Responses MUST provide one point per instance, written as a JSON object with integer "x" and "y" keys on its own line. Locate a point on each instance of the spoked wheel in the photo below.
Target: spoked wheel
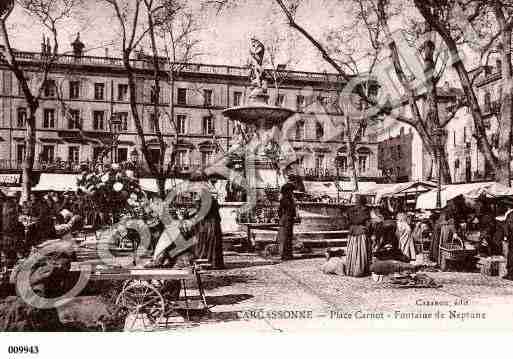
{"x": 142, "y": 300}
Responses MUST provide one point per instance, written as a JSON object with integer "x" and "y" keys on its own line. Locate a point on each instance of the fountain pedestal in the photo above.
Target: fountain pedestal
{"x": 263, "y": 124}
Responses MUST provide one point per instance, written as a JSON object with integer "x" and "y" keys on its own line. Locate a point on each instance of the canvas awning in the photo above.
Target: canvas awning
{"x": 492, "y": 189}
{"x": 363, "y": 187}
{"x": 59, "y": 182}
{"x": 399, "y": 189}
{"x": 150, "y": 184}
{"x": 321, "y": 188}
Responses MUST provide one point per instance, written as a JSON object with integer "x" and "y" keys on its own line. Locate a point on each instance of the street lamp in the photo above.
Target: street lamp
{"x": 115, "y": 122}
{"x": 439, "y": 140}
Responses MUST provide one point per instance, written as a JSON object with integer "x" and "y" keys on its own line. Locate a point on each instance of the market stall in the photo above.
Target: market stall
{"x": 321, "y": 189}
{"x": 409, "y": 191}
{"x": 150, "y": 184}
{"x": 58, "y": 182}
{"x": 470, "y": 190}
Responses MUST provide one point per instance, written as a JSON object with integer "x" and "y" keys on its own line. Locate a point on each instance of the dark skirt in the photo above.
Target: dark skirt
{"x": 210, "y": 242}
{"x": 285, "y": 236}
{"x": 358, "y": 255}
{"x": 435, "y": 244}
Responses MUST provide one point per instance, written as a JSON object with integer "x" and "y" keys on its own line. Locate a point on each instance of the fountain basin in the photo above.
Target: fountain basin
{"x": 263, "y": 115}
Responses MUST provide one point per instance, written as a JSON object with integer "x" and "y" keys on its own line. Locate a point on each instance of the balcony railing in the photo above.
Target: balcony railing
{"x": 331, "y": 174}
{"x": 146, "y": 62}
{"x": 48, "y": 166}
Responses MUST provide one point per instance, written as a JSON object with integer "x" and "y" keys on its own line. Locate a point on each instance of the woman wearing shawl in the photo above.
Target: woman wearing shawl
{"x": 403, "y": 233}
{"x": 359, "y": 246}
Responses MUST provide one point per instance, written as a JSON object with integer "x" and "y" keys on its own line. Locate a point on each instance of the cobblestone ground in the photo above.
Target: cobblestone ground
{"x": 257, "y": 294}
{"x": 248, "y": 296}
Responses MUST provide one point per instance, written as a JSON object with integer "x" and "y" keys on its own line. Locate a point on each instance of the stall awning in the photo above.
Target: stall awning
{"x": 399, "y": 189}
{"x": 363, "y": 187}
{"x": 321, "y": 188}
{"x": 58, "y": 182}
{"x": 150, "y": 184}
{"x": 492, "y": 189}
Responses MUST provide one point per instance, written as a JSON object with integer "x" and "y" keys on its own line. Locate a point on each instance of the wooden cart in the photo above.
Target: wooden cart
{"x": 144, "y": 291}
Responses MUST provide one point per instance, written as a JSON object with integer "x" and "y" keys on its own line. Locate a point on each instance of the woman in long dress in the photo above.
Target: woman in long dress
{"x": 435, "y": 237}
{"x": 403, "y": 233}
{"x": 359, "y": 246}
{"x": 210, "y": 237}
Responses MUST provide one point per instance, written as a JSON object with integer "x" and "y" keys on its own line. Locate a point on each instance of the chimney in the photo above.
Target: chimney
{"x": 78, "y": 46}
{"x": 106, "y": 52}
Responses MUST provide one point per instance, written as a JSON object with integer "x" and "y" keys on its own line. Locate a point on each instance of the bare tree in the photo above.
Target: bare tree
{"x": 180, "y": 49}
{"x": 429, "y": 121}
{"x": 374, "y": 16}
{"x": 50, "y": 14}
{"x": 451, "y": 33}
{"x": 139, "y": 20}
{"x": 344, "y": 49}
{"x": 492, "y": 22}
{"x": 281, "y": 53}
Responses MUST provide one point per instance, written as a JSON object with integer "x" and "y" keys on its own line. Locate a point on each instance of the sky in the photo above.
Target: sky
{"x": 224, "y": 37}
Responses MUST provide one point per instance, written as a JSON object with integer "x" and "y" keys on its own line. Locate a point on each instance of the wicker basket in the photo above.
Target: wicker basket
{"x": 455, "y": 251}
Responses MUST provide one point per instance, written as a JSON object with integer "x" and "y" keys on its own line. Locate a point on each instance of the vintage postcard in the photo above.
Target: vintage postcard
{"x": 276, "y": 166}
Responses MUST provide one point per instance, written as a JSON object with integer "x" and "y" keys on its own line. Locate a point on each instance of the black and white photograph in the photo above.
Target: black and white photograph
{"x": 264, "y": 166}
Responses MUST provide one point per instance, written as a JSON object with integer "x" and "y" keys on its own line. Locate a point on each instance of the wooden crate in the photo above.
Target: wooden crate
{"x": 492, "y": 266}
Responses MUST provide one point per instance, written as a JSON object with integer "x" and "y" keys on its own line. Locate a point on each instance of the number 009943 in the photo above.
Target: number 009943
{"x": 23, "y": 349}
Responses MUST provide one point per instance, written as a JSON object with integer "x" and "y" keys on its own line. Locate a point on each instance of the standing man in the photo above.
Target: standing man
{"x": 287, "y": 213}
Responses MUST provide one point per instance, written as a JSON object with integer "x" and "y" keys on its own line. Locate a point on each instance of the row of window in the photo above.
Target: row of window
{"x": 48, "y": 155}
{"x": 73, "y": 119}
{"x": 341, "y": 162}
{"x": 101, "y": 123}
{"x": 75, "y": 89}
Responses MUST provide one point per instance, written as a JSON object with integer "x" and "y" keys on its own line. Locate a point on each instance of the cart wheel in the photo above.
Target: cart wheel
{"x": 142, "y": 298}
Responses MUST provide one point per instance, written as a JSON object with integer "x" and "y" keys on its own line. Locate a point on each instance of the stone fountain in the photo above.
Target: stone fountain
{"x": 259, "y": 125}
{"x": 267, "y": 161}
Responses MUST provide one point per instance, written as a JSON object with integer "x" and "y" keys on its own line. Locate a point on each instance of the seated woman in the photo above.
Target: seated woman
{"x": 174, "y": 239}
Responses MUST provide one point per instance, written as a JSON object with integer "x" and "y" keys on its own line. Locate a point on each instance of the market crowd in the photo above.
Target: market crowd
{"x": 386, "y": 239}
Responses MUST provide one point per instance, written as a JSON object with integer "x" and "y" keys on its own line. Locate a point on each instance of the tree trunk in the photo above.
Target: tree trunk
{"x": 161, "y": 179}
{"x": 351, "y": 162}
{"x": 483, "y": 143}
{"x": 137, "y": 121}
{"x": 503, "y": 171}
{"x": 30, "y": 149}
{"x": 445, "y": 167}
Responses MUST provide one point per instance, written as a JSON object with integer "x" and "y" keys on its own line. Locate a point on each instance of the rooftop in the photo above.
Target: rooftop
{"x": 146, "y": 63}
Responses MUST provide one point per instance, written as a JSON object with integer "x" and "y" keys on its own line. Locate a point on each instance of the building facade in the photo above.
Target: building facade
{"x": 395, "y": 155}
{"x": 412, "y": 151}
{"x": 84, "y": 94}
{"x": 467, "y": 161}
